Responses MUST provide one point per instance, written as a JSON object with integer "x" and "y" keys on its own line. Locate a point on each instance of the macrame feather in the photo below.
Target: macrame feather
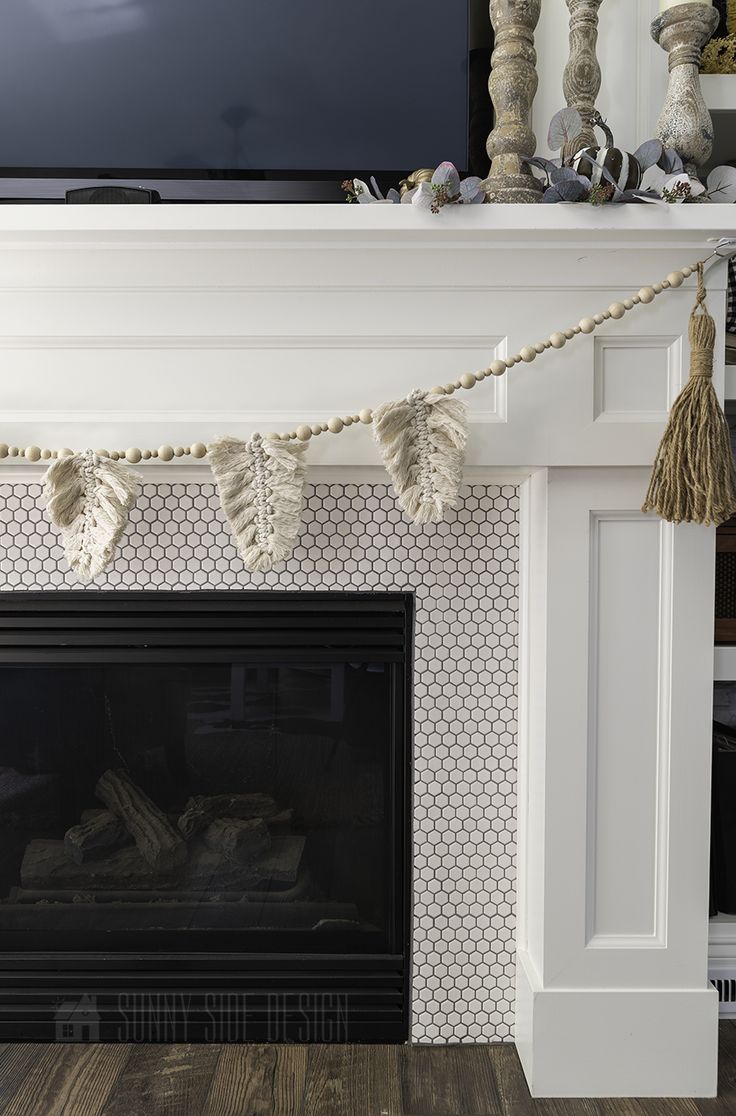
{"x": 88, "y": 498}
{"x": 261, "y": 486}
{"x": 422, "y": 441}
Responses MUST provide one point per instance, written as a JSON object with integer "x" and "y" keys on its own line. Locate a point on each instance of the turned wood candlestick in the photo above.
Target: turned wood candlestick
{"x": 512, "y": 85}
{"x": 581, "y": 81}
{"x": 685, "y": 122}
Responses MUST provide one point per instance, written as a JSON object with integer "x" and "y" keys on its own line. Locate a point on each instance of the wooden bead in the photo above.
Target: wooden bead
{"x": 356, "y": 418}
{"x": 272, "y": 436}
{"x": 586, "y": 325}
{"x": 3, "y": 449}
{"x": 540, "y": 346}
{"x": 114, "y": 455}
{"x": 178, "y": 451}
{"x": 557, "y": 340}
{"x": 335, "y": 424}
{"x": 570, "y": 333}
{"x": 617, "y": 310}
{"x": 316, "y": 428}
{"x": 348, "y": 420}
{"x": 165, "y": 453}
{"x": 687, "y": 272}
{"x": 665, "y": 284}
{"x": 102, "y": 453}
{"x": 528, "y": 354}
{"x": 199, "y": 449}
{"x": 304, "y": 432}
{"x": 33, "y": 453}
{"x": 366, "y": 416}
{"x": 145, "y": 455}
{"x": 46, "y": 454}
{"x": 133, "y": 455}
{"x": 675, "y": 278}
{"x": 66, "y": 452}
{"x": 657, "y": 288}
{"x": 498, "y": 367}
{"x": 635, "y": 300}
{"x": 599, "y": 319}
{"x": 154, "y": 453}
{"x": 449, "y": 389}
{"x": 646, "y": 294}
{"x": 628, "y": 304}
{"x": 468, "y": 380}
{"x": 13, "y": 451}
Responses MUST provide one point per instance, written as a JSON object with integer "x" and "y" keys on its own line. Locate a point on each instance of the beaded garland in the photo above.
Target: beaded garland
{"x": 335, "y": 425}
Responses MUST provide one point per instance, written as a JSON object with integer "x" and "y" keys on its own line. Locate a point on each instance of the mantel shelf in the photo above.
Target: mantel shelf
{"x": 525, "y": 225}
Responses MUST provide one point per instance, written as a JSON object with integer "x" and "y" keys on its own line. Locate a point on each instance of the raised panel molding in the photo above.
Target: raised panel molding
{"x": 628, "y": 731}
{"x": 626, "y": 388}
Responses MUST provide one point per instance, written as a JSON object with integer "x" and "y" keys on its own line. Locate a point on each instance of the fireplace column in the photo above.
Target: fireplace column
{"x": 616, "y": 688}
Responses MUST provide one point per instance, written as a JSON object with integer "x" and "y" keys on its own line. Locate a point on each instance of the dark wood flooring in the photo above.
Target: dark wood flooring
{"x": 92, "y": 1080}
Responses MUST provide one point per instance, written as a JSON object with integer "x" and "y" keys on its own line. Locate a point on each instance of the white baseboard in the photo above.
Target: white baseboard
{"x": 616, "y": 1042}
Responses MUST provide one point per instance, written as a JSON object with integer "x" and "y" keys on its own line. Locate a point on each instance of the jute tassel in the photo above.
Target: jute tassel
{"x": 693, "y": 477}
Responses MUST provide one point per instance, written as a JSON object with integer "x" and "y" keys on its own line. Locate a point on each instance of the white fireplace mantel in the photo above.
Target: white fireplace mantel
{"x": 122, "y": 326}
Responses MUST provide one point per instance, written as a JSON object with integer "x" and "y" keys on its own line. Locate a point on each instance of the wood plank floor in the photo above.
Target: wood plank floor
{"x": 93, "y": 1080}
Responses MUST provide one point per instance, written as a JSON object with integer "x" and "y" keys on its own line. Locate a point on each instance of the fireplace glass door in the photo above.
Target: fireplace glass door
{"x": 206, "y": 783}
{"x": 185, "y": 801}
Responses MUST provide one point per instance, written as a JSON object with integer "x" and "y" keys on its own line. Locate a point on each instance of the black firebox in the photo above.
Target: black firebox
{"x": 204, "y": 815}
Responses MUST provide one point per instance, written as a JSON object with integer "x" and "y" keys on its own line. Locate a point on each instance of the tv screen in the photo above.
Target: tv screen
{"x": 231, "y": 90}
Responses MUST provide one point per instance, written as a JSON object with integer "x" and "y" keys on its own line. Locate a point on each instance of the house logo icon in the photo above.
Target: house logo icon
{"x": 78, "y": 1020}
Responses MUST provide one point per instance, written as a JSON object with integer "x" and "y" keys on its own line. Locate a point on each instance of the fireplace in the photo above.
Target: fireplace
{"x": 204, "y": 815}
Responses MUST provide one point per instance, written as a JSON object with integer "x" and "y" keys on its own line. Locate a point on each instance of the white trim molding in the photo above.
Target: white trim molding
{"x": 614, "y": 806}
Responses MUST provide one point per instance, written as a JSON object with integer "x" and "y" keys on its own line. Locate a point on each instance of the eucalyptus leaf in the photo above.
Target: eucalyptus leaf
{"x": 649, "y": 153}
{"x": 572, "y": 190}
{"x": 423, "y": 197}
{"x": 376, "y": 189}
{"x": 551, "y": 195}
{"x": 640, "y": 196}
{"x": 393, "y": 196}
{"x": 470, "y": 191}
{"x": 564, "y": 126}
{"x": 447, "y": 175}
{"x": 362, "y": 192}
{"x": 564, "y": 174}
{"x": 670, "y": 161}
{"x": 721, "y": 185}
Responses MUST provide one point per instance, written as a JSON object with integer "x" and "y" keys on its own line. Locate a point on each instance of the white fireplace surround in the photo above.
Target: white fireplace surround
{"x": 122, "y": 326}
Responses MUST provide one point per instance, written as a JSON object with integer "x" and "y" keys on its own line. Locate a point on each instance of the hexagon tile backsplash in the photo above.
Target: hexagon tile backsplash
{"x": 465, "y": 576}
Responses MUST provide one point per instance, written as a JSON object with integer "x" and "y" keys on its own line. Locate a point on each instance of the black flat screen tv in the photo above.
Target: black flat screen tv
{"x": 238, "y": 99}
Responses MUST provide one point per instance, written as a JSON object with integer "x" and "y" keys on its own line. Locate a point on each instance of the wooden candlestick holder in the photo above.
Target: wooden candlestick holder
{"x": 685, "y": 122}
{"x": 512, "y": 85}
{"x": 581, "y": 81}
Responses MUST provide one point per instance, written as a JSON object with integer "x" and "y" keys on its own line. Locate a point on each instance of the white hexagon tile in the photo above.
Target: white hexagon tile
{"x": 465, "y": 576}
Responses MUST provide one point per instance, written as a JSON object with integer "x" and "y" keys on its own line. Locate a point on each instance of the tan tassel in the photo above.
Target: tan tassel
{"x": 693, "y": 476}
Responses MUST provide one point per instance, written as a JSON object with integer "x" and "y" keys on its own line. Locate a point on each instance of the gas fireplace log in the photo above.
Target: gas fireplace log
{"x": 158, "y": 842}
{"x": 46, "y": 866}
{"x": 239, "y": 839}
{"x": 203, "y": 809}
{"x": 97, "y": 836}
